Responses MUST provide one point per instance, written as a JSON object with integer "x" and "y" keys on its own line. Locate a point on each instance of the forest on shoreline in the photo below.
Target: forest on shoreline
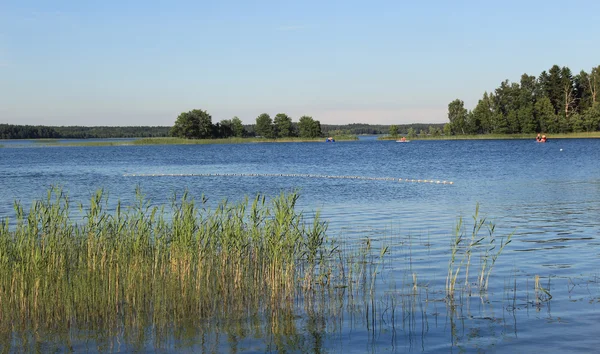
{"x": 554, "y": 102}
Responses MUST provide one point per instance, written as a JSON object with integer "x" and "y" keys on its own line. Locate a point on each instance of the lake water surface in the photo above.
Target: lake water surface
{"x": 547, "y": 194}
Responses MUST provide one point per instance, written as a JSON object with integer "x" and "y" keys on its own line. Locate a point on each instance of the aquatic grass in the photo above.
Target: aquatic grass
{"x": 133, "y": 266}
{"x": 541, "y": 294}
{"x": 183, "y": 141}
{"x": 144, "y": 273}
{"x": 461, "y": 251}
{"x": 488, "y": 260}
{"x": 96, "y": 143}
{"x": 46, "y": 141}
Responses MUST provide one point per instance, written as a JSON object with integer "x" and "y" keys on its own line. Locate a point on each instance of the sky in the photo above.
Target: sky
{"x": 132, "y": 63}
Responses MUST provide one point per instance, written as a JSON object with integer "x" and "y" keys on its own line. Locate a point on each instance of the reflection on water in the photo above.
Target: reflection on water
{"x": 543, "y": 291}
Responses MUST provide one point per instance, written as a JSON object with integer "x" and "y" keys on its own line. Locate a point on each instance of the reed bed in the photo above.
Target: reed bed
{"x": 150, "y": 276}
{"x": 184, "y": 141}
{"x": 171, "y": 141}
{"x": 134, "y": 266}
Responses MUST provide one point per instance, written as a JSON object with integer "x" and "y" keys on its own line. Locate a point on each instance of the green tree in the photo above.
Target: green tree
{"x": 187, "y": 125}
{"x": 576, "y": 122}
{"x": 506, "y": 106}
{"x": 283, "y": 125}
{"x": 264, "y": 126}
{"x": 447, "y": 129}
{"x": 586, "y": 88}
{"x": 583, "y": 96}
{"x": 567, "y": 92}
{"x": 546, "y": 116}
{"x": 483, "y": 114}
{"x": 434, "y": 131}
{"x": 527, "y": 119}
{"x": 411, "y": 134}
{"x": 393, "y": 130}
{"x": 237, "y": 127}
{"x": 594, "y": 83}
{"x": 309, "y": 128}
{"x": 457, "y": 115}
{"x": 472, "y": 123}
{"x": 526, "y": 101}
{"x": 591, "y": 118}
{"x": 316, "y": 130}
{"x": 205, "y": 126}
{"x": 223, "y": 129}
{"x": 195, "y": 124}
{"x": 512, "y": 120}
{"x": 551, "y": 85}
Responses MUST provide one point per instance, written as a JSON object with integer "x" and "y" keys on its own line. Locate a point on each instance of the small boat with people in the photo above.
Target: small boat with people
{"x": 541, "y": 138}
{"x": 403, "y": 140}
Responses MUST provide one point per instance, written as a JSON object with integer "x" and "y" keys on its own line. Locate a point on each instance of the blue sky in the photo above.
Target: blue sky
{"x": 380, "y": 62}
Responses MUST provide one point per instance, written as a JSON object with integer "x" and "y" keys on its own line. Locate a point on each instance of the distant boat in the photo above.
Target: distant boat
{"x": 403, "y": 141}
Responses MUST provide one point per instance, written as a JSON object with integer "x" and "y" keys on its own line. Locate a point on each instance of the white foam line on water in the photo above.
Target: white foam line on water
{"x": 411, "y": 180}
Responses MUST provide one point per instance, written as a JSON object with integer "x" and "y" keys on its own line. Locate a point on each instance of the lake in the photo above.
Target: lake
{"x": 544, "y": 291}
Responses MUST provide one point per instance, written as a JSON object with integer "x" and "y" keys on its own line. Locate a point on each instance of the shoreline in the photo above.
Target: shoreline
{"x": 169, "y": 141}
{"x": 590, "y": 135}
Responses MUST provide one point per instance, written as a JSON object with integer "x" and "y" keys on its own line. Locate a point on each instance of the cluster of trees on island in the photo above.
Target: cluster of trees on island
{"x": 554, "y": 102}
{"x": 197, "y": 124}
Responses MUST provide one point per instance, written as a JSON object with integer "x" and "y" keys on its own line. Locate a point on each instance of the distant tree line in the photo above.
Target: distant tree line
{"x": 198, "y": 124}
{"x": 413, "y": 130}
{"x": 9, "y": 131}
{"x": 377, "y": 129}
{"x": 113, "y": 132}
{"x": 308, "y": 127}
{"x": 554, "y": 102}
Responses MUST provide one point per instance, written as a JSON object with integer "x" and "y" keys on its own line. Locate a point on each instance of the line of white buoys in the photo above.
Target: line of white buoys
{"x": 285, "y": 175}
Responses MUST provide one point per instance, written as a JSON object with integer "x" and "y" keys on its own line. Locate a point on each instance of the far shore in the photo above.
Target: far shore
{"x": 183, "y": 141}
{"x": 582, "y": 135}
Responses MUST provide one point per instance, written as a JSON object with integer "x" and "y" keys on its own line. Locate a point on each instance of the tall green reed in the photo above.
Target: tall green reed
{"x": 121, "y": 270}
{"x": 139, "y": 264}
{"x": 462, "y": 249}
